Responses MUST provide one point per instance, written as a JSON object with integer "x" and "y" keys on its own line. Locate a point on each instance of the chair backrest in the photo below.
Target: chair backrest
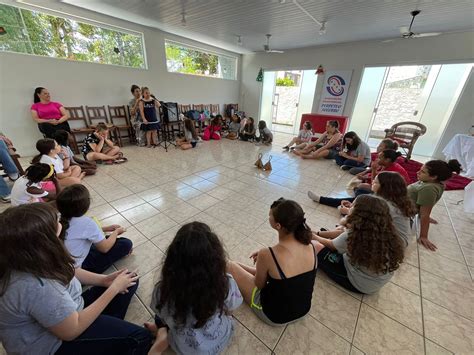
{"x": 184, "y": 108}
{"x": 96, "y": 114}
{"x": 118, "y": 115}
{"x": 206, "y": 107}
{"x": 77, "y": 117}
{"x": 198, "y": 107}
{"x": 215, "y": 109}
{"x": 406, "y": 132}
{"x": 230, "y": 109}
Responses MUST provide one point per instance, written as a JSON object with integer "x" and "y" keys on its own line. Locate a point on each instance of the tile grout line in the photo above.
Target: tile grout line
{"x": 250, "y": 331}
{"x": 357, "y": 322}
{"x": 457, "y": 239}
{"x": 421, "y": 298}
{"x": 279, "y": 338}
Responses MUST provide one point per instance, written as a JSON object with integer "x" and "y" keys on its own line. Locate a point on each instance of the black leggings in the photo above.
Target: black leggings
{"x": 48, "y": 129}
{"x": 332, "y": 263}
{"x": 335, "y": 202}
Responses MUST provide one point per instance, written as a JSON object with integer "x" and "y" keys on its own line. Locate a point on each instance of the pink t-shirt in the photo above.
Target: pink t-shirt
{"x": 49, "y": 111}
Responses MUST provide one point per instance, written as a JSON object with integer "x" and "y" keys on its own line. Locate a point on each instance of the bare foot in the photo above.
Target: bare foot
{"x": 427, "y": 244}
{"x": 82, "y": 175}
{"x": 433, "y": 221}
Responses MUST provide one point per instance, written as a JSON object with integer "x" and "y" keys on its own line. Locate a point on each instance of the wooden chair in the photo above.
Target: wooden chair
{"x": 214, "y": 109}
{"x": 406, "y": 134}
{"x": 184, "y": 108}
{"x": 98, "y": 114}
{"x": 206, "y": 107}
{"x": 198, "y": 107}
{"x": 118, "y": 117}
{"x": 79, "y": 125}
{"x": 14, "y": 155}
{"x": 226, "y": 106}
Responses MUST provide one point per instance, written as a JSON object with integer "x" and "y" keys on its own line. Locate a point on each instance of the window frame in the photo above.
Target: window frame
{"x": 24, "y": 5}
{"x": 203, "y": 50}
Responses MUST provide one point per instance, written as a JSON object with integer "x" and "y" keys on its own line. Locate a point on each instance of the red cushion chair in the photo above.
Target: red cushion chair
{"x": 319, "y": 122}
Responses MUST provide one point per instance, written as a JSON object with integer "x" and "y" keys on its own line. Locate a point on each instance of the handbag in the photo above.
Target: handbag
{"x": 268, "y": 164}
{"x": 259, "y": 163}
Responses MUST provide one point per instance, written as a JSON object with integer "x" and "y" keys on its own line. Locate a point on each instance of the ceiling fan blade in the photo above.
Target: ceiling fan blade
{"x": 275, "y": 51}
{"x": 427, "y": 34}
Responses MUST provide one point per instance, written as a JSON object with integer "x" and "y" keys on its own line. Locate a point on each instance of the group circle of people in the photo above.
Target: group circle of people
{"x": 50, "y": 248}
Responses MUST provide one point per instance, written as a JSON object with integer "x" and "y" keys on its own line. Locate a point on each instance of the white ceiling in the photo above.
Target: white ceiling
{"x": 218, "y": 22}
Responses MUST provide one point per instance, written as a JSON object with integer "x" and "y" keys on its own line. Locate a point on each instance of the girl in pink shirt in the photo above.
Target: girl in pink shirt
{"x": 49, "y": 115}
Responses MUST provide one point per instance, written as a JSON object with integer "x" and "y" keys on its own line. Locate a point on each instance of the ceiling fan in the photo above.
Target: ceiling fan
{"x": 266, "y": 47}
{"x": 406, "y": 32}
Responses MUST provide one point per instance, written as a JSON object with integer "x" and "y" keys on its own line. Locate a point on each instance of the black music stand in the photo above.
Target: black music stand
{"x": 166, "y": 117}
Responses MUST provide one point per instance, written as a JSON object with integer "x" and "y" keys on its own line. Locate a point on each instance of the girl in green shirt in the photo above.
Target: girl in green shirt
{"x": 427, "y": 191}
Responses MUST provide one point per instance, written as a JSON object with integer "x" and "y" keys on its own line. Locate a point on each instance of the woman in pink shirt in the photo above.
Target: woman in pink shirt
{"x": 51, "y": 116}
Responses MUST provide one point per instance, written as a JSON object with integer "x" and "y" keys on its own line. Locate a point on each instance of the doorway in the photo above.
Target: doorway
{"x": 286, "y": 95}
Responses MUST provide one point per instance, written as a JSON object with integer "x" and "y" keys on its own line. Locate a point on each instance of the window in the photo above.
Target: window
{"x": 38, "y": 33}
{"x": 189, "y": 60}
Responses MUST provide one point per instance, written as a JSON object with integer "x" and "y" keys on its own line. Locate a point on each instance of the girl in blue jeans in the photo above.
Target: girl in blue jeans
{"x": 355, "y": 152}
{"x": 42, "y": 307}
{"x": 10, "y": 169}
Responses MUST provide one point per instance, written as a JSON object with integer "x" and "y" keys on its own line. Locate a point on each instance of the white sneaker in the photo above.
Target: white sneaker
{"x": 14, "y": 176}
{"x": 6, "y": 199}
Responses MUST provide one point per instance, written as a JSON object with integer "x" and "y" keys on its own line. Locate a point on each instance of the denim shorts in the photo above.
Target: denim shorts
{"x": 333, "y": 153}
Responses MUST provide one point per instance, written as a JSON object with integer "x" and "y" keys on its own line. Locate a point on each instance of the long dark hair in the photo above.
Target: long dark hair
{"x": 389, "y": 143}
{"x": 61, "y": 137}
{"x": 193, "y": 278}
{"x": 37, "y": 172}
{"x": 44, "y": 146}
{"x": 72, "y": 201}
{"x": 189, "y": 125}
{"x": 28, "y": 243}
{"x": 262, "y": 125}
{"x": 372, "y": 239}
{"x": 393, "y": 188}
{"x": 36, "y": 98}
{"x": 249, "y": 126}
{"x": 355, "y": 141}
{"x": 290, "y": 216}
{"x": 442, "y": 170}
{"x": 391, "y": 154}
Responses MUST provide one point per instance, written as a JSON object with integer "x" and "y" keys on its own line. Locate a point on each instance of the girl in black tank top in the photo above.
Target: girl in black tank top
{"x": 278, "y": 301}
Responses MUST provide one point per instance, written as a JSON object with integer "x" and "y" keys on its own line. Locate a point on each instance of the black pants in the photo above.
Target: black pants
{"x": 99, "y": 262}
{"x": 48, "y": 129}
{"x": 246, "y": 137}
{"x": 109, "y": 333}
{"x": 332, "y": 263}
{"x": 334, "y": 202}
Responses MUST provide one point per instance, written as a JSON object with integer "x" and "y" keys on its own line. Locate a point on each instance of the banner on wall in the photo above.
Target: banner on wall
{"x": 333, "y": 97}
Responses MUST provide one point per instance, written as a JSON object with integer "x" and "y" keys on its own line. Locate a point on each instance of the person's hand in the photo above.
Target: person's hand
{"x": 114, "y": 227}
{"x": 123, "y": 280}
{"x": 64, "y": 153}
{"x": 108, "y": 279}
{"x": 346, "y": 203}
{"x": 427, "y": 244}
{"x": 342, "y": 154}
{"x": 254, "y": 256}
{"x": 120, "y": 230}
{"x": 53, "y": 122}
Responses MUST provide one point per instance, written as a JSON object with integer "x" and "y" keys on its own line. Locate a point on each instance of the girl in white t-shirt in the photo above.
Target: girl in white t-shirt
{"x": 49, "y": 151}
{"x": 32, "y": 187}
{"x": 304, "y": 136}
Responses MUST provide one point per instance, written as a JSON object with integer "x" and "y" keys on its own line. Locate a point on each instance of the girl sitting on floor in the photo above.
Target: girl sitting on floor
{"x": 234, "y": 127}
{"x": 304, "y": 137}
{"x": 391, "y": 187}
{"x": 49, "y": 151}
{"x": 355, "y": 152}
{"x": 384, "y": 144}
{"x": 327, "y": 146}
{"x": 98, "y": 146}
{"x": 363, "y": 258}
{"x": 195, "y": 298}
{"x": 190, "y": 136}
{"x": 427, "y": 191}
{"x": 248, "y": 132}
{"x": 83, "y": 236}
{"x": 31, "y": 188}
{"x": 42, "y": 307}
{"x": 266, "y": 136}
{"x": 213, "y": 130}
{"x": 62, "y": 137}
{"x": 279, "y": 288}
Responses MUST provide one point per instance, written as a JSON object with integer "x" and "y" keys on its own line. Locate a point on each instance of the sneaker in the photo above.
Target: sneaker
{"x": 6, "y": 199}
{"x": 14, "y": 176}
{"x": 313, "y": 196}
{"x": 286, "y": 148}
{"x": 346, "y": 167}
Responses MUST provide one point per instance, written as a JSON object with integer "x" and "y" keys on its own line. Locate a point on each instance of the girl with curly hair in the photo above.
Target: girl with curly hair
{"x": 427, "y": 191}
{"x": 279, "y": 288}
{"x": 363, "y": 258}
{"x": 195, "y": 297}
{"x": 391, "y": 187}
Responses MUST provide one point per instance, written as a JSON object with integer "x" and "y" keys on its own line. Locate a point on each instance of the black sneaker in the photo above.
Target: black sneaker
{"x": 346, "y": 167}
{"x": 286, "y": 148}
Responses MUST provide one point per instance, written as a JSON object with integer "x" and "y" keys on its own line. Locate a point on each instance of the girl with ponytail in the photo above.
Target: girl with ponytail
{"x": 427, "y": 191}
{"x": 83, "y": 236}
{"x": 280, "y": 286}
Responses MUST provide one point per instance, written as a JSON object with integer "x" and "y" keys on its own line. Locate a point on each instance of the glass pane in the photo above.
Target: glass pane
{"x": 287, "y": 92}
{"x": 14, "y": 39}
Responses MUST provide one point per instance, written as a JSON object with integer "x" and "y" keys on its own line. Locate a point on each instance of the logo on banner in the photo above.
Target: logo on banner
{"x": 335, "y": 85}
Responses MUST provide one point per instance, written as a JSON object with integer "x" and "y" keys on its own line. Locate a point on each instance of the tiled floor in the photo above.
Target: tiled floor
{"x": 427, "y": 308}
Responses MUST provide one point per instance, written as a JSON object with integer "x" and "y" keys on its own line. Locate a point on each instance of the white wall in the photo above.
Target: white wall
{"x": 79, "y": 83}
{"x": 447, "y": 48}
